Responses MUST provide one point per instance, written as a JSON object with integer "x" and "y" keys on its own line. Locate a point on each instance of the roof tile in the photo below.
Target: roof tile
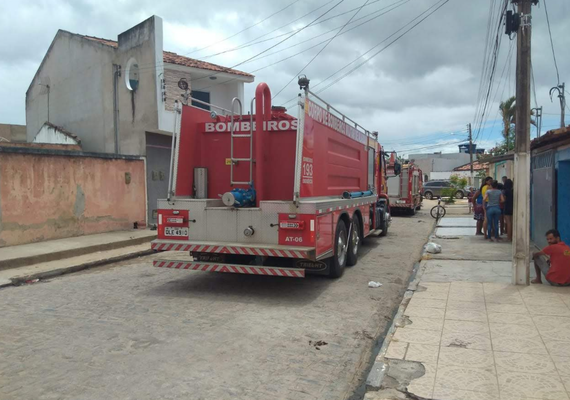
{"x": 173, "y": 58}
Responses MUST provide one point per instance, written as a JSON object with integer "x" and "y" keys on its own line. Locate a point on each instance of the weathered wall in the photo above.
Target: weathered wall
{"x": 13, "y": 133}
{"x": 79, "y": 73}
{"x": 47, "y": 196}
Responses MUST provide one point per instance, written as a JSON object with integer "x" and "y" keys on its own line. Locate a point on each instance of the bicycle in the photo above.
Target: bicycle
{"x": 438, "y": 211}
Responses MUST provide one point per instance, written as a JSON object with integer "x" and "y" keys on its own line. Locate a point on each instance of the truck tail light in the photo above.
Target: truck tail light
{"x": 293, "y": 225}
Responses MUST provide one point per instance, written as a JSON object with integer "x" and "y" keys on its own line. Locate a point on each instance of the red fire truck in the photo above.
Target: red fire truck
{"x": 269, "y": 194}
{"x": 404, "y": 189}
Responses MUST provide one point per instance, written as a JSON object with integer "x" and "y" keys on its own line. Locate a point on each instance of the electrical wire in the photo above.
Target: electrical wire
{"x": 396, "y": 5}
{"x": 153, "y": 66}
{"x": 277, "y": 44}
{"x": 256, "y": 41}
{"x": 321, "y": 50}
{"x": 384, "y": 48}
{"x": 491, "y": 74}
{"x": 436, "y": 6}
{"x": 245, "y": 29}
{"x": 551, "y": 42}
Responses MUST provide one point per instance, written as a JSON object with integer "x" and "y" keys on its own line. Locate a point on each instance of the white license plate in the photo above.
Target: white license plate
{"x": 169, "y": 231}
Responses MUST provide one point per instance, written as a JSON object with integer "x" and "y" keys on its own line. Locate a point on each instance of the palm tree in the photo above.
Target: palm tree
{"x": 508, "y": 112}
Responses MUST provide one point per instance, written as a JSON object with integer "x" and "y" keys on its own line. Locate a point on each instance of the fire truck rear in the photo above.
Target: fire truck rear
{"x": 404, "y": 189}
{"x": 269, "y": 194}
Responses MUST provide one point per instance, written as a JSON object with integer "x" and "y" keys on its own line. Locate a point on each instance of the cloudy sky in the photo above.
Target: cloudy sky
{"x": 419, "y": 93}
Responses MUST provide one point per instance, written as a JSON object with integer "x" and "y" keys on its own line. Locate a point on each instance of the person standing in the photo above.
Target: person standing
{"x": 504, "y": 179}
{"x": 493, "y": 197}
{"x": 502, "y": 226}
{"x": 509, "y": 206}
{"x": 478, "y": 210}
{"x": 484, "y": 189}
{"x": 557, "y": 271}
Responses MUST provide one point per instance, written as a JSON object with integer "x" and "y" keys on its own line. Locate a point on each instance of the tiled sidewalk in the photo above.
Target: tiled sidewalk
{"x": 487, "y": 341}
{"x": 477, "y": 336}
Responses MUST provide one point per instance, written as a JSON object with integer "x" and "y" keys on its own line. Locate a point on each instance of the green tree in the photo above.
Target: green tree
{"x": 458, "y": 181}
{"x": 508, "y": 113}
{"x": 507, "y": 109}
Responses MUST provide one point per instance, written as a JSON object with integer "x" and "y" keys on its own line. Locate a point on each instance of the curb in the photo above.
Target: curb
{"x": 75, "y": 252}
{"x": 21, "y": 280}
{"x": 378, "y": 370}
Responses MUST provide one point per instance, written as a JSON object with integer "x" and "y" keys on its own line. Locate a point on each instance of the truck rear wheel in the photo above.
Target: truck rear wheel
{"x": 385, "y": 225}
{"x": 354, "y": 242}
{"x": 338, "y": 261}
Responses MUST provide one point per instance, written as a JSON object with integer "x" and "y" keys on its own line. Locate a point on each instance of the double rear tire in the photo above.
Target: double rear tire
{"x": 346, "y": 248}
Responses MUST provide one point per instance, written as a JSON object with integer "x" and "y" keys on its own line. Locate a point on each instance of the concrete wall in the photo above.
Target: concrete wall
{"x": 79, "y": 73}
{"x": 13, "y": 133}
{"x": 446, "y": 175}
{"x": 439, "y": 162}
{"x": 45, "y": 194}
{"x": 138, "y": 110}
{"x": 173, "y": 92}
{"x": 502, "y": 168}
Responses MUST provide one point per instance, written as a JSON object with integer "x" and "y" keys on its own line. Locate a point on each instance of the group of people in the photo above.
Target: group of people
{"x": 493, "y": 209}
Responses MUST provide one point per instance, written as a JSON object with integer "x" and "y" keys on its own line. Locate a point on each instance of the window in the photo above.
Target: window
{"x": 132, "y": 75}
{"x": 204, "y": 96}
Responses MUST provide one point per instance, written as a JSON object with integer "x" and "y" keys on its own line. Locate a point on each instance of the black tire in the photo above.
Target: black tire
{"x": 412, "y": 211}
{"x": 354, "y": 242}
{"x": 428, "y": 195}
{"x": 438, "y": 209}
{"x": 336, "y": 263}
{"x": 459, "y": 194}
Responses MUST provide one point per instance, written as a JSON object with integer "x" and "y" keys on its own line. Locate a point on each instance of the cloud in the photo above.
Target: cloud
{"x": 418, "y": 90}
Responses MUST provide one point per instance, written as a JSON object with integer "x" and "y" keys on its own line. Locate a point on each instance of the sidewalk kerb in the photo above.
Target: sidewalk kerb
{"x": 74, "y": 268}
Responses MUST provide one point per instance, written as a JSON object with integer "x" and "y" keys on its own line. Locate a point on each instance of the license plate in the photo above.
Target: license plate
{"x": 169, "y": 231}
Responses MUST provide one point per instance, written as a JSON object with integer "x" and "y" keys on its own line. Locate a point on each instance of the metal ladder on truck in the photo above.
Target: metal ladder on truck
{"x": 233, "y": 135}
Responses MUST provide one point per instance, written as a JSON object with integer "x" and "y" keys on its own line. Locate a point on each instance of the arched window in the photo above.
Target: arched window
{"x": 132, "y": 75}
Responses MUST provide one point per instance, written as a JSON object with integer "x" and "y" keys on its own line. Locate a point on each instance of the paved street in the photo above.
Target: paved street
{"x": 131, "y": 331}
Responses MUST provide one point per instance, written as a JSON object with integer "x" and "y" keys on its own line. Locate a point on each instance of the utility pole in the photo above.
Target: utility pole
{"x": 470, "y": 153}
{"x": 521, "y": 231}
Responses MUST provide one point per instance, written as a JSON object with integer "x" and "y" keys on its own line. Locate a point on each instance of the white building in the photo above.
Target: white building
{"x": 118, "y": 96}
{"x": 438, "y": 162}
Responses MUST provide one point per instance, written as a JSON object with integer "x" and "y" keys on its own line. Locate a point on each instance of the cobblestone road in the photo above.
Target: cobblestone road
{"x": 131, "y": 331}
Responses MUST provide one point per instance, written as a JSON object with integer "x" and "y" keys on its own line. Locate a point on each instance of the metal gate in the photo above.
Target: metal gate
{"x": 543, "y": 208}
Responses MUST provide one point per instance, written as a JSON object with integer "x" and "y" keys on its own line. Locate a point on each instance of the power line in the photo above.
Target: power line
{"x": 396, "y": 5}
{"x": 551, "y": 42}
{"x": 401, "y": 3}
{"x": 245, "y": 29}
{"x": 277, "y": 44}
{"x": 321, "y": 50}
{"x": 375, "y": 46}
{"x": 431, "y": 146}
{"x": 154, "y": 66}
{"x": 256, "y": 41}
{"x": 492, "y": 68}
{"x": 384, "y": 48}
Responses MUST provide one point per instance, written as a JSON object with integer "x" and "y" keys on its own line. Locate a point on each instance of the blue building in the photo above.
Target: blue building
{"x": 550, "y": 185}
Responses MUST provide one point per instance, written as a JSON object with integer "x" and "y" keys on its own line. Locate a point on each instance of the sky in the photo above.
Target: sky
{"x": 419, "y": 93}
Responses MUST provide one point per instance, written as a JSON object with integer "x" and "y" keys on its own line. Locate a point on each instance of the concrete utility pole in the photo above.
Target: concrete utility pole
{"x": 470, "y": 154}
{"x": 521, "y": 231}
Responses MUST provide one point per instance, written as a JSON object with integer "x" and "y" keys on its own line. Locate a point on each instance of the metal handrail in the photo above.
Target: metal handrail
{"x": 373, "y": 135}
{"x": 209, "y": 104}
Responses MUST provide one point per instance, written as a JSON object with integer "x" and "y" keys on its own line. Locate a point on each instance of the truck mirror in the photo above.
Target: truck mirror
{"x": 397, "y": 168}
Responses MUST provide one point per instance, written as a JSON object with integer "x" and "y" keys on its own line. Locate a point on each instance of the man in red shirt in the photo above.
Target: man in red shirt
{"x": 557, "y": 271}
